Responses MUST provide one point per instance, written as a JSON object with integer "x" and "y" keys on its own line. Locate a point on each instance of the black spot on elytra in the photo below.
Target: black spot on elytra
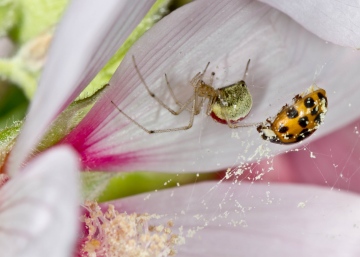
{"x": 304, "y": 134}
{"x": 309, "y": 102}
{"x": 283, "y": 129}
{"x": 321, "y": 96}
{"x": 289, "y": 136}
{"x": 303, "y": 121}
{"x": 304, "y": 130}
{"x": 314, "y": 111}
{"x": 291, "y": 112}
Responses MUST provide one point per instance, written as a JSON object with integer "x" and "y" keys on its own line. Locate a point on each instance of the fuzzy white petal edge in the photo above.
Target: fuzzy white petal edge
{"x": 39, "y": 207}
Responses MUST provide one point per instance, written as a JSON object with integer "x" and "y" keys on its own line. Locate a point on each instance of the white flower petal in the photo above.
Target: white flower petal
{"x": 285, "y": 60}
{"x": 334, "y": 21}
{"x": 89, "y": 34}
{"x": 39, "y": 207}
{"x": 256, "y": 219}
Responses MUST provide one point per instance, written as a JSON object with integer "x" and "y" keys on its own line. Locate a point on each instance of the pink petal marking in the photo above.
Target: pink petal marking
{"x": 89, "y": 34}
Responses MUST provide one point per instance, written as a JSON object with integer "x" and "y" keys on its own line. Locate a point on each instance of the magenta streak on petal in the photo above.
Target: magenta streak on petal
{"x": 83, "y": 43}
{"x": 102, "y": 159}
{"x": 109, "y": 161}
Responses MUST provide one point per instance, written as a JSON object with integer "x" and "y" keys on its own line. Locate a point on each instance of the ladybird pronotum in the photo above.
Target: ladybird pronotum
{"x": 298, "y": 121}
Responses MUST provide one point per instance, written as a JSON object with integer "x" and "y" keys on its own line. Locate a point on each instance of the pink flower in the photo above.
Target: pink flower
{"x": 288, "y": 54}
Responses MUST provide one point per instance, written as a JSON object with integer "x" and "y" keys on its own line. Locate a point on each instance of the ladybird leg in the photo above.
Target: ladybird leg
{"x": 153, "y": 95}
{"x": 297, "y": 98}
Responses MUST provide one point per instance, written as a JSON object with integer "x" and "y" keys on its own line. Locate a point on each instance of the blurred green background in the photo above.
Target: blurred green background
{"x": 13, "y": 104}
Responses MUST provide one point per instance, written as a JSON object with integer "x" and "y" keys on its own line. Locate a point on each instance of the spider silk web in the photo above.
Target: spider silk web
{"x": 330, "y": 162}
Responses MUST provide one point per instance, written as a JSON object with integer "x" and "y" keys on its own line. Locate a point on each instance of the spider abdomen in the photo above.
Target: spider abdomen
{"x": 233, "y": 103}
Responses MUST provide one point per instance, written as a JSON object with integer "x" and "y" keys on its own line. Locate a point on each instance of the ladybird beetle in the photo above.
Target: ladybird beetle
{"x": 298, "y": 121}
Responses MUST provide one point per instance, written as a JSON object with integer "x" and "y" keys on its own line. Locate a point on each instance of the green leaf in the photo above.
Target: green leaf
{"x": 34, "y": 17}
{"x": 94, "y": 184}
{"x": 7, "y": 140}
{"x": 68, "y": 120}
{"x": 106, "y": 186}
{"x": 30, "y": 25}
{"x": 157, "y": 11}
{"x": 7, "y": 16}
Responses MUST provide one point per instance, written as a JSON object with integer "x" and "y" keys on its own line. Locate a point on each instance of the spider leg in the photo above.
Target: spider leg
{"x": 209, "y": 105}
{"x": 199, "y": 106}
{"x": 212, "y": 78}
{"x": 195, "y": 82}
{"x": 232, "y": 125}
{"x": 180, "y": 104}
{"x": 203, "y": 73}
{"x": 246, "y": 70}
{"x": 152, "y": 94}
{"x": 191, "y": 121}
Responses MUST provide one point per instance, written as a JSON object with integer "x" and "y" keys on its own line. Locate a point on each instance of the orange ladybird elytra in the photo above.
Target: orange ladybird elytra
{"x": 298, "y": 121}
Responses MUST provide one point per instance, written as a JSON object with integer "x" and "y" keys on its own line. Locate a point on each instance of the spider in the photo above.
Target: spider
{"x": 226, "y": 105}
